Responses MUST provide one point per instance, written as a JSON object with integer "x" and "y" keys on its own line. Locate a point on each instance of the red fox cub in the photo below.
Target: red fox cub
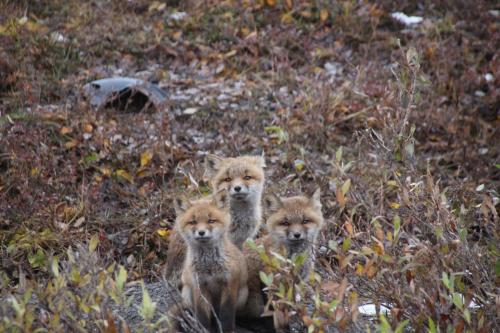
{"x": 214, "y": 275}
{"x": 243, "y": 178}
{"x": 293, "y": 225}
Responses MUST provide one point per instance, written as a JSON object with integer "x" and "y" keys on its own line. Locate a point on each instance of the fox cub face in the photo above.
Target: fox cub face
{"x": 242, "y": 177}
{"x": 296, "y": 221}
{"x": 205, "y": 220}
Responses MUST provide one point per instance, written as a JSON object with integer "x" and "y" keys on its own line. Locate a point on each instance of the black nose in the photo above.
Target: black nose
{"x": 237, "y": 188}
{"x": 201, "y": 233}
{"x": 296, "y": 235}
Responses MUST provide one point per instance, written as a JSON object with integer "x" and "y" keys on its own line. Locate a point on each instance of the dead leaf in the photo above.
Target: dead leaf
{"x": 146, "y": 158}
{"x": 65, "y": 130}
{"x": 125, "y": 175}
{"x": 71, "y": 144}
{"x": 323, "y": 15}
{"x": 87, "y": 128}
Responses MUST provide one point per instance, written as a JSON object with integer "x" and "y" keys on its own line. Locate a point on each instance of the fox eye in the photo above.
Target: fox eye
{"x": 247, "y": 177}
{"x": 211, "y": 221}
{"x": 305, "y": 221}
{"x": 192, "y": 222}
{"x": 285, "y": 223}
{"x": 227, "y": 179}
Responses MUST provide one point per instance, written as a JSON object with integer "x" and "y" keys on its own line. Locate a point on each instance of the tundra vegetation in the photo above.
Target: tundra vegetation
{"x": 397, "y": 124}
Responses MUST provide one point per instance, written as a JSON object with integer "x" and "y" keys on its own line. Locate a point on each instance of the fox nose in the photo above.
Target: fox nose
{"x": 297, "y": 235}
{"x": 201, "y": 233}
{"x": 237, "y": 188}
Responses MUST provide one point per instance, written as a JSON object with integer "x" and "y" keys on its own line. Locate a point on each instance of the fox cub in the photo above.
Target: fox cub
{"x": 293, "y": 225}
{"x": 243, "y": 178}
{"x": 214, "y": 274}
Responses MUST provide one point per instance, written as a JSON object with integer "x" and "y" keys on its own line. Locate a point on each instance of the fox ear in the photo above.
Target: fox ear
{"x": 272, "y": 203}
{"x": 181, "y": 204}
{"x": 221, "y": 199}
{"x": 316, "y": 199}
{"x": 259, "y": 160}
{"x": 212, "y": 164}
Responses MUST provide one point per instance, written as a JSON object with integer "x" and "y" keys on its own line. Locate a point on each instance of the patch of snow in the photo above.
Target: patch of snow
{"x": 177, "y": 16}
{"x": 371, "y": 310}
{"x": 333, "y": 68}
{"x": 494, "y": 13}
{"x": 190, "y": 111}
{"x": 479, "y": 93}
{"x": 488, "y": 77}
{"x": 58, "y": 37}
{"x": 405, "y": 19}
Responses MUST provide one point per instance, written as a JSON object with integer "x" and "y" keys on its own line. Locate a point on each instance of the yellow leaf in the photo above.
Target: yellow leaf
{"x": 271, "y": 3}
{"x": 71, "y": 144}
{"x": 392, "y": 183}
{"x": 348, "y": 226}
{"x": 125, "y": 175}
{"x": 346, "y": 186}
{"x": 306, "y": 14}
{"x": 93, "y": 243}
{"x": 244, "y": 31}
{"x": 289, "y": 4}
{"x": 394, "y": 205}
{"x": 323, "y": 15}
{"x": 35, "y": 171}
{"x": 146, "y": 157}
{"x": 163, "y": 232}
{"x": 378, "y": 247}
{"x": 65, "y": 130}
{"x": 287, "y": 18}
{"x": 105, "y": 171}
{"x": 230, "y": 54}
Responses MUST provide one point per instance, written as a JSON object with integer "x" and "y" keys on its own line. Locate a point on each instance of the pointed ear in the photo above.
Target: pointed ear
{"x": 316, "y": 199}
{"x": 259, "y": 161}
{"x": 272, "y": 203}
{"x": 221, "y": 199}
{"x": 212, "y": 164}
{"x": 181, "y": 204}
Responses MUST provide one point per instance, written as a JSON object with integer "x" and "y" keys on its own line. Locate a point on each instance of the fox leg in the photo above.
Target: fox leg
{"x": 227, "y": 311}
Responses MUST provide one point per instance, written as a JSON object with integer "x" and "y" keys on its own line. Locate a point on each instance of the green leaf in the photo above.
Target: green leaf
{"x": 467, "y": 316}
{"x": 401, "y": 326}
{"x": 94, "y": 241}
{"x": 497, "y": 268}
{"x": 446, "y": 281}
{"x": 277, "y": 132}
{"x": 266, "y": 279}
{"x": 385, "y": 327}
{"x": 397, "y": 225}
{"x": 457, "y": 300}
{"x": 338, "y": 155}
{"x": 346, "y": 186}
{"x": 299, "y": 259}
{"x": 121, "y": 278}
{"x": 497, "y": 166}
{"x": 432, "y": 326}
{"x": 346, "y": 244}
{"x": 148, "y": 307}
